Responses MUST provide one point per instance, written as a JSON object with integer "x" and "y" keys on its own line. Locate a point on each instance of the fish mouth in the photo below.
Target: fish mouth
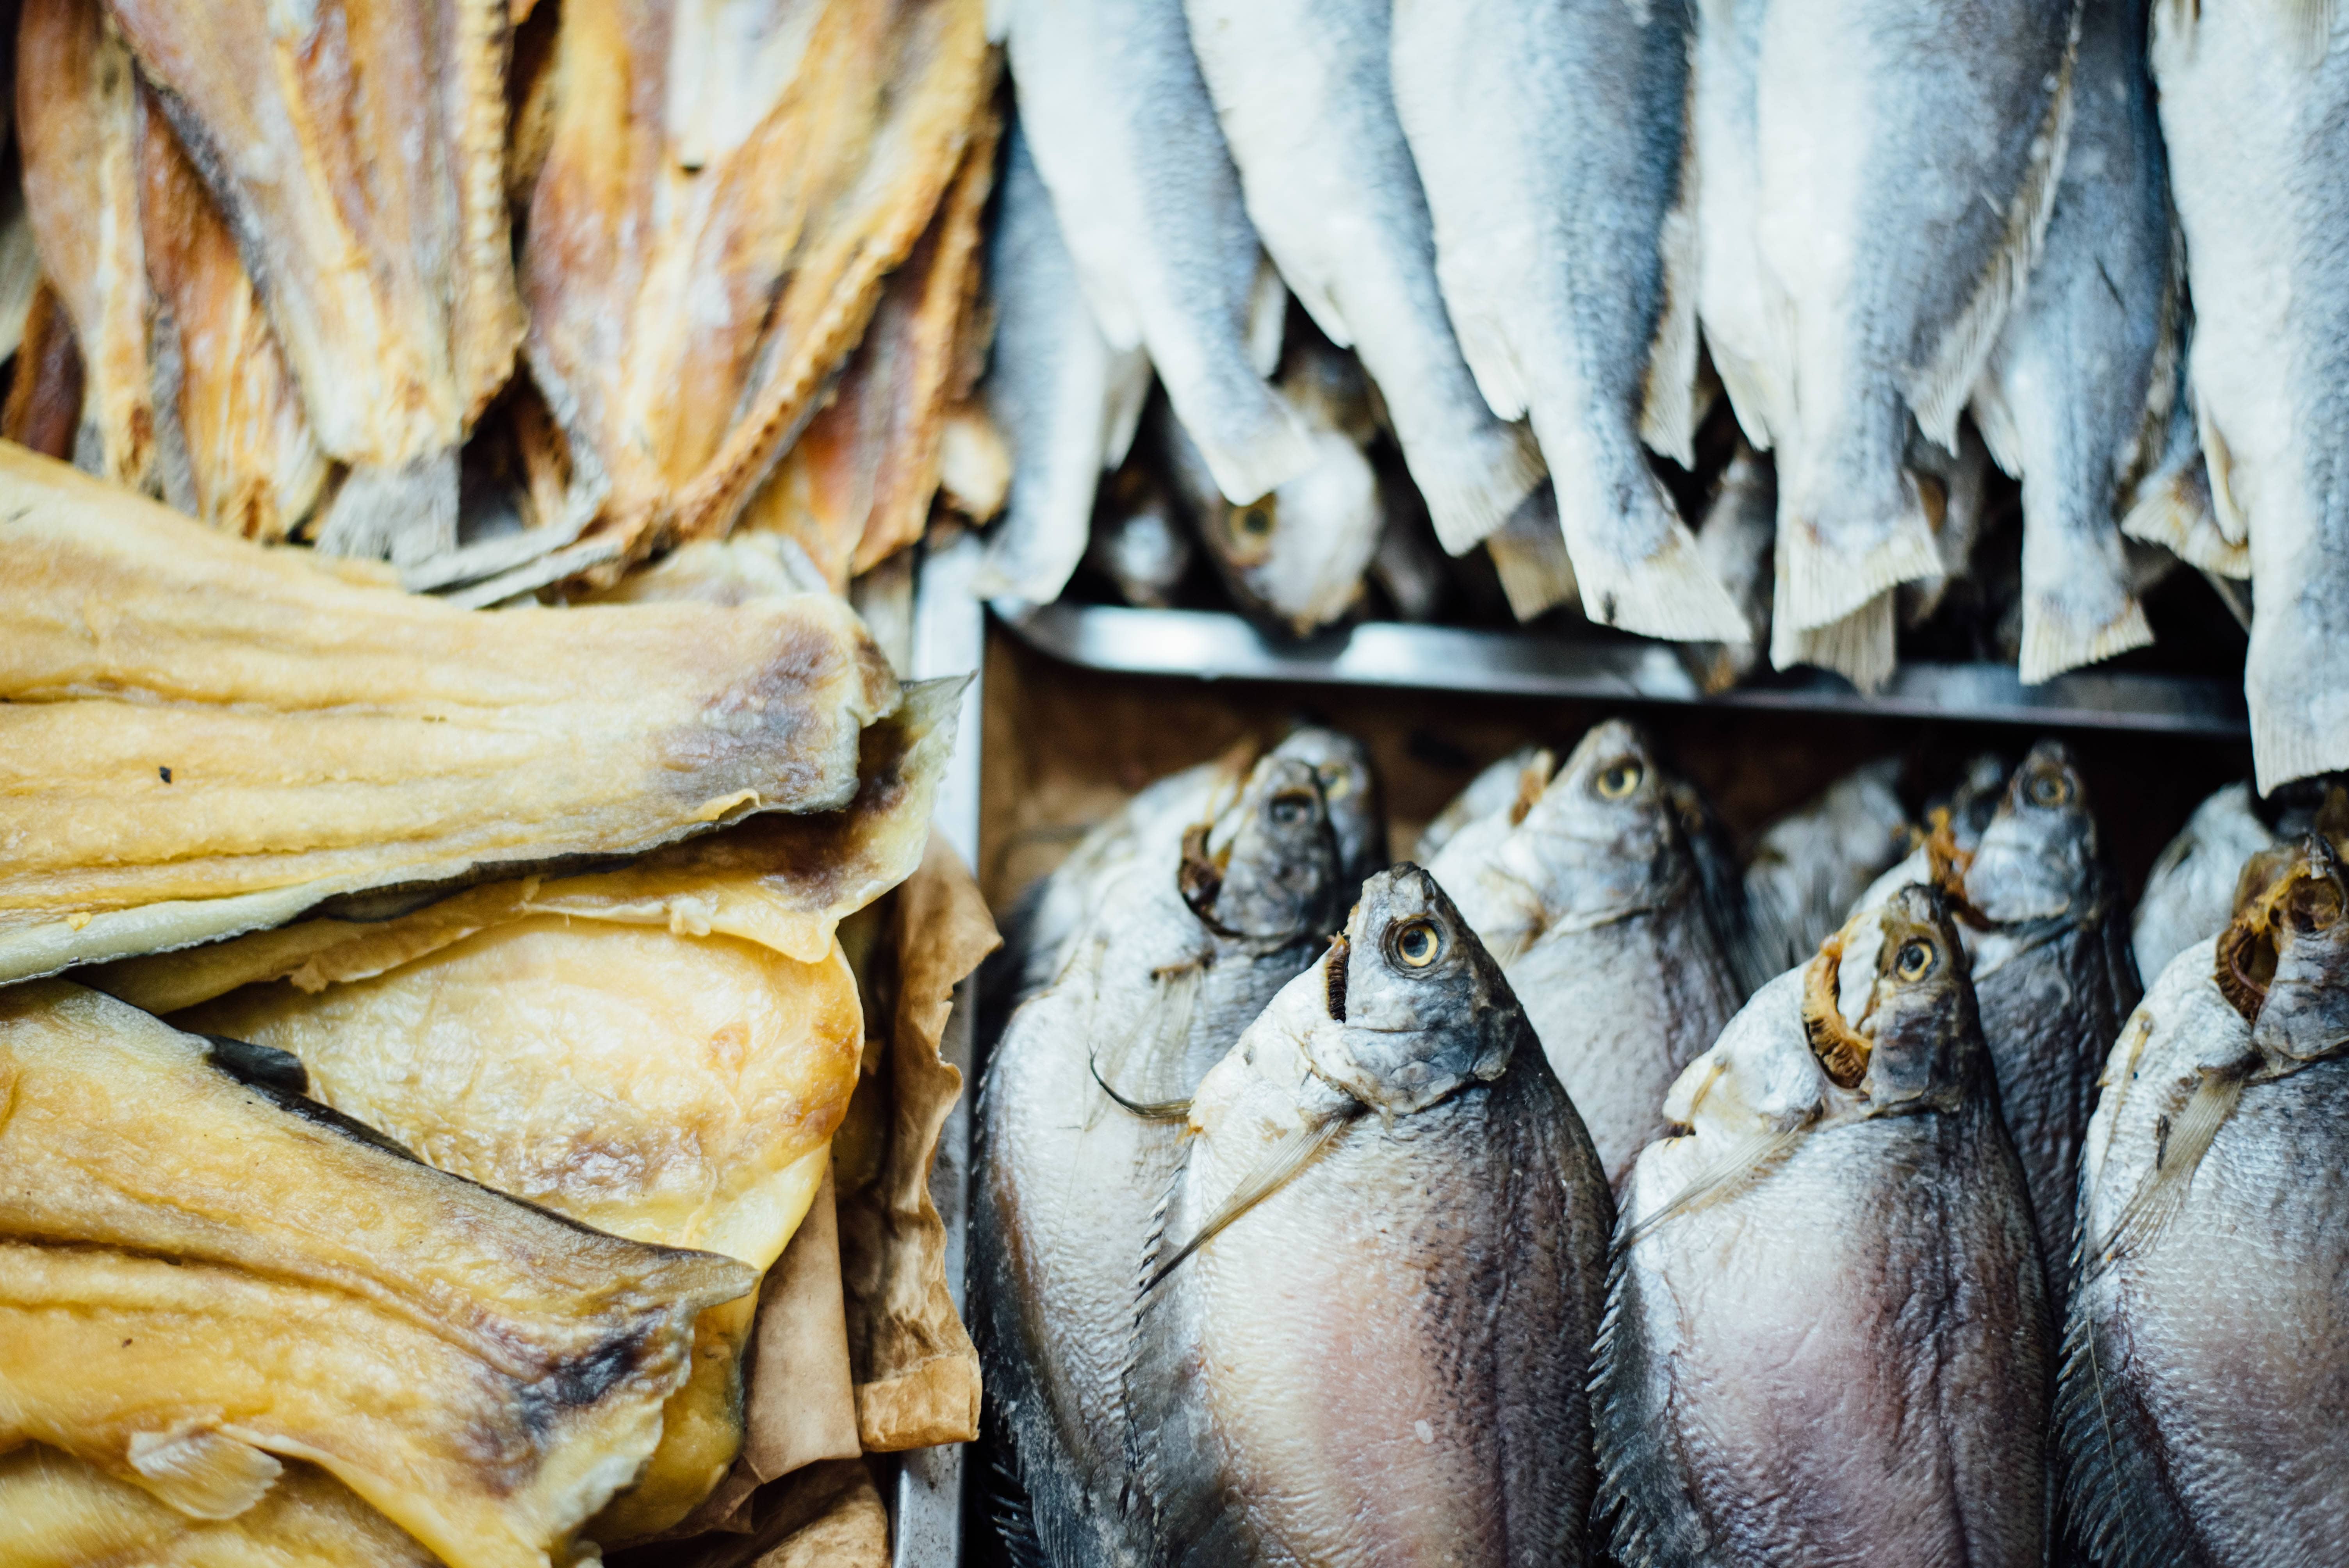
{"x": 2301, "y": 894}
{"x": 1841, "y": 1051}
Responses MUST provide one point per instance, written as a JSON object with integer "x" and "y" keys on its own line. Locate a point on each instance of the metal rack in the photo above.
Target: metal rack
{"x": 1215, "y": 646}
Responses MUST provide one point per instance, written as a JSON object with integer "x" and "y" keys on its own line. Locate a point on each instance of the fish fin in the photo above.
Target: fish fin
{"x": 1470, "y": 493}
{"x": 1939, "y": 393}
{"x": 2287, "y": 743}
{"x": 2313, "y": 21}
{"x": 2163, "y": 1191}
{"x": 203, "y": 1472}
{"x": 1013, "y": 1514}
{"x": 1148, "y": 1109}
{"x": 2234, "y": 595}
{"x": 408, "y": 514}
{"x": 1275, "y": 1171}
{"x": 1819, "y": 584}
{"x": 1643, "y": 1504}
{"x": 2219, "y": 470}
{"x": 2114, "y": 1503}
{"x": 1747, "y": 1160}
{"x": 2057, "y": 638}
{"x": 1267, "y": 317}
{"x": 1670, "y": 592}
{"x": 1128, "y": 385}
{"x": 1528, "y": 555}
{"x": 2174, "y": 509}
{"x": 1860, "y": 648}
{"x": 1668, "y": 417}
{"x": 1995, "y": 421}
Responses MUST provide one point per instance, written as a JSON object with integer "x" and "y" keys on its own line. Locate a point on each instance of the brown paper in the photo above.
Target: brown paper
{"x": 917, "y": 1374}
{"x": 827, "y": 1515}
{"x": 802, "y": 1404}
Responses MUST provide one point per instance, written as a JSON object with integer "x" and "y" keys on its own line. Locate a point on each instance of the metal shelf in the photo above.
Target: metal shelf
{"x": 1212, "y": 645}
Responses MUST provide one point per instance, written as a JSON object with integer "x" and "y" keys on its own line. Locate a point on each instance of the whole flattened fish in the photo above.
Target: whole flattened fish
{"x": 2255, "y": 113}
{"x": 1294, "y": 557}
{"x": 1305, "y": 96}
{"x": 2205, "y": 1364}
{"x": 1808, "y": 867}
{"x": 2076, "y": 395}
{"x": 1067, "y": 401}
{"x": 1825, "y": 1340}
{"x": 1365, "y": 1334}
{"x": 1908, "y": 155}
{"x": 1548, "y": 140}
{"x": 1589, "y": 890}
{"x": 1125, "y": 137}
{"x": 2052, "y": 978}
{"x": 1180, "y": 957}
{"x": 288, "y": 1283}
{"x": 2190, "y": 894}
{"x": 77, "y": 112}
{"x": 394, "y": 301}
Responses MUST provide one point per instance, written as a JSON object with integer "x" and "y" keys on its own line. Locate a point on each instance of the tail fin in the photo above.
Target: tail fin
{"x": 2173, "y": 509}
{"x": 1859, "y": 647}
{"x": 1473, "y": 487}
{"x": 1528, "y": 553}
{"x": 1840, "y": 546}
{"x": 407, "y": 515}
{"x": 1638, "y": 567}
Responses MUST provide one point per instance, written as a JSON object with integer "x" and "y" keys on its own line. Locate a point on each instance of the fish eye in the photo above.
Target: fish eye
{"x": 1620, "y": 779}
{"x": 1418, "y": 942}
{"x": 1289, "y": 808}
{"x": 2048, "y": 790}
{"x": 1254, "y": 521}
{"x": 1916, "y": 959}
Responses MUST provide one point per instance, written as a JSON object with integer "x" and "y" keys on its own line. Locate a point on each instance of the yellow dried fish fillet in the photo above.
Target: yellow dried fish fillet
{"x": 722, "y": 193}
{"x": 201, "y": 737}
{"x": 235, "y": 447}
{"x": 58, "y": 1512}
{"x": 76, "y": 111}
{"x": 197, "y": 1273}
{"x": 393, "y": 298}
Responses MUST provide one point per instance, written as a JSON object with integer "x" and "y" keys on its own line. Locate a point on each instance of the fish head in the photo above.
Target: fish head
{"x": 1974, "y": 799}
{"x": 1266, "y": 868}
{"x": 2283, "y": 962}
{"x": 2038, "y": 859}
{"x": 1297, "y": 554}
{"x": 1610, "y": 833}
{"x": 1915, "y": 1039}
{"x": 1349, "y": 789}
{"x": 1417, "y": 1010}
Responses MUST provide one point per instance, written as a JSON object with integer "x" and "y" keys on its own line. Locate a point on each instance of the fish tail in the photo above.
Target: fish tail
{"x": 2057, "y": 637}
{"x": 1843, "y": 542}
{"x": 2296, "y": 712}
{"x": 1859, "y": 647}
{"x": 1636, "y": 562}
{"x": 2076, "y": 604}
{"x": 1252, "y": 444}
{"x": 1473, "y": 488}
{"x": 2312, "y": 23}
{"x": 1528, "y": 555}
{"x": 405, "y": 514}
{"x": 2174, "y": 509}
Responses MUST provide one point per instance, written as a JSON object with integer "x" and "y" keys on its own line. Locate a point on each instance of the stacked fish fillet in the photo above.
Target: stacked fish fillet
{"x": 1525, "y": 222}
{"x": 1927, "y": 1239}
{"x": 511, "y": 296}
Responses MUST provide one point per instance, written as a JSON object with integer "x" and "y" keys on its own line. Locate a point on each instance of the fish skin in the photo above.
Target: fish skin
{"x": 76, "y": 106}
{"x": 1383, "y": 1361}
{"x": 1304, "y": 92}
{"x": 1937, "y": 136}
{"x": 397, "y": 357}
{"x": 2255, "y": 113}
{"x": 2054, "y": 979}
{"x": 2174, "y": 508}
{"x": 1138, "y": 542}
{"x": 1738, "y": 540}
{"x": 1294, "y": 557}
{"x": 2199, "y": 1415}
{"x": 2076, "y": 396}
{"x": 2190, "y": 894}
{"x": 1549, "y": 143}
{"x": 1126, "y": 139}
{"x": 1738, "y": 304}
{"x": 1152, "y": 997}
{"x": 1596, "y": 908}
{"x": 1066, "y": 400}
{"x": 1841, "y": 1357}
{"x": 1808, "y": 867}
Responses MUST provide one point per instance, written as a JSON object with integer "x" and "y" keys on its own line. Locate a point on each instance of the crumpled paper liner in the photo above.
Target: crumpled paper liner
{"x": 826, "y": 1515}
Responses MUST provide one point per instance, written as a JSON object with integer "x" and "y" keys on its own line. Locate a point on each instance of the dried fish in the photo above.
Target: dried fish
{"x": 1809, "y": 867}
{"x": 2190, "y": 894}
{"x": 1738, "y": 542}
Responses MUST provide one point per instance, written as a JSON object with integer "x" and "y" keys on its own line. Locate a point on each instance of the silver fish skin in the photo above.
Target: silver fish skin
{"x": 1548, "y": 139}
{"x": 2054, "y": 979}
{"x": 1139, "y": 542}
{"x": 1383, "y": 1360}
{"x": 1808, "y": 867}
{"x": 2255, "y": 113}
{"x": 1738, "y": 540}
{"x": 1499, "y": 797}
{"x": 2206, "y": 1362}
{"x": 1303, "y": 91}
{"x": 1126, "y": 140}
{"x": 1825, "y": 1341}
{"x": 2190, "y": 894}
{"x": 1175, "y": 964}
{"x": 1066, "y": 399}
{"x": 1590, "y": 891}
{"x": 2076, "y": 394}
{"x": 2173, "y": 507}
{"x": 1738, "y": 302}
{"x": 1294, "y": 557}
{"x": 1908, "y": 150}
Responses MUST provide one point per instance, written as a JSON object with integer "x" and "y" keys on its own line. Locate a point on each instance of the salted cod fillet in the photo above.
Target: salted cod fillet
{"x": 1125, "y": 137}
{"x": 1549, "y": 141}
{"x": 76, "y": 112}
{"x": 394, "y": 299}
{"x": 2076, "y": 395}
{"x": 202, "y": 738}
{"x": 724, "y": 190}
{"x": 662, "y": 1052}
{"x": 1307, "y": 102}
{"x": 1908, "y": 155}
{"x": 2255, "y": 111}
{"x": 200, "y": 1271}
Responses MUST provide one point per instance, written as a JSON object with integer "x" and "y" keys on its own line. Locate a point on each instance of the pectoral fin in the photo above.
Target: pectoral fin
{"x": 203, "y": 1472}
